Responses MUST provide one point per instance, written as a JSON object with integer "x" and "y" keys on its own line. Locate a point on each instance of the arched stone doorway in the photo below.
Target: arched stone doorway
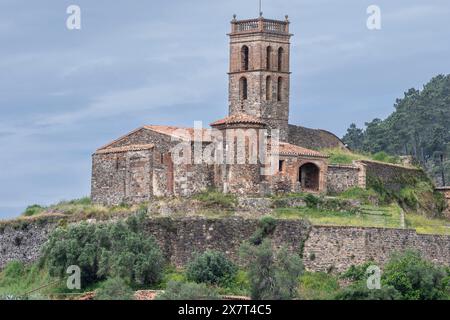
{"x": 308, "y": 176}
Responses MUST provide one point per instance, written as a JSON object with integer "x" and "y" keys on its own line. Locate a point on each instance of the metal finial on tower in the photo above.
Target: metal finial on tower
{"x": 260, "y": 8}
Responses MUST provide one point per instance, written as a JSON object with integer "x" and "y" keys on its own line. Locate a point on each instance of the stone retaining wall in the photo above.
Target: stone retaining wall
{"x": 325, "y": 248}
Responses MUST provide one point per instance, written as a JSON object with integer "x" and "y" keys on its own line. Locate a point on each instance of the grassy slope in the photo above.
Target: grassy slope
{"x": 340, "y": 156}
{"x": 371, "y": 216}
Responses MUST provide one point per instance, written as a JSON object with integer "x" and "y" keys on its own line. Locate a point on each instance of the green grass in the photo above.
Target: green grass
{"x": 82, "y": 207}
{"x": 366, "y": 196}
{"x": 318, "y": 286}
{"x": 18, "y": 279}
{"x": 425, "y": 225}
{"x": 370, "y": 216}
{"x": 341, "y": 156}
{"x": 214, "y": 198}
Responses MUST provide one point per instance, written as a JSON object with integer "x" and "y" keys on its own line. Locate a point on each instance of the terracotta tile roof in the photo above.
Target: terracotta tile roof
{"x": 290, "y": 149}
{"x": 180, "y": 132}
{"x": 134, "y": 147}
{"x": 238, "y": 118}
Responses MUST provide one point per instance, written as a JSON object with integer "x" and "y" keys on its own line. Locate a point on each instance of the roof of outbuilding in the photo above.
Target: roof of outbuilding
{"x": 238, "y": 118}
{"x": 293, "y": 150}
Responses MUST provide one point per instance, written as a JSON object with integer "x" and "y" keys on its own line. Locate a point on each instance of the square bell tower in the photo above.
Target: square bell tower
{"x": 259, "y": 72}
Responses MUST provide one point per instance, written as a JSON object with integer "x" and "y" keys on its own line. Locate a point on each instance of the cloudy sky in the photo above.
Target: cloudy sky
{"x": 64, "y": 93}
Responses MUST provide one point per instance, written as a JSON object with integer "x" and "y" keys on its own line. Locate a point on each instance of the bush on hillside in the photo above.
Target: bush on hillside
{"x": 211, "y": 267}
{"x": 406, "y": 276}
{"x": 114, "y": 289}
{"x": 105, "y": 250}
{"x": 266, "y": 227}
{"x": 33, "y": 210}
{"x": 414, "y": 277}
{"x": 272, "y": 276}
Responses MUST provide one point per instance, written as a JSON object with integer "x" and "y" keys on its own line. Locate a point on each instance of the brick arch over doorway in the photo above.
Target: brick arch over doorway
{"x": 309, "y": 177}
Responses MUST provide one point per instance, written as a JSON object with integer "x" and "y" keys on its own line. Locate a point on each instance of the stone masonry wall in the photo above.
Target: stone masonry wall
{"x": 23, "y": 241}
{"x": 336, "y": 248}
{"x": 390, "y": 174}
{"x": 326, "y": 248}
{"x": 313, "y": 138}
{"x": 342, "y": 177}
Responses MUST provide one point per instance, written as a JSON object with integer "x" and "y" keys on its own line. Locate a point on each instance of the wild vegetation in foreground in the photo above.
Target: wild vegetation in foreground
{"x": 115, "y": 262}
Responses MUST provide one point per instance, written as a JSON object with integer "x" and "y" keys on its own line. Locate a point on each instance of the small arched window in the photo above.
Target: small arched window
{"x": 268, "y": 88}
{"x": 280, "y": 89}
{"x": 243, "y": 88}
{"x": 280, "y": 59}
{"x": 269, "y": 58}
{"x": 244, "y": 58}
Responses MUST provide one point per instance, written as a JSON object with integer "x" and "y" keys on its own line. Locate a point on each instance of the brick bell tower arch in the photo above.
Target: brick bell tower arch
{"x": 259, "y": 75}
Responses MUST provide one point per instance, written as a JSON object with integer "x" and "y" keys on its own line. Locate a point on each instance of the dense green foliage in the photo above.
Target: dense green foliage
{"x": 114, "y": 289}
{"x": 414, "y": 277}
{"x": 266, "y": 226}
{"x": 411, "y": 193}
{"x": 419, "y": 126}
{"x": 406, "y": 276}
{"x": 318, "y": 286}
{"x": 272, "y": 275}
{"x": 187, "y": 291}
{"x": 359, "y": 291}
{"x": 105, "y": 250}
{"x": 33, "y": 210}
{"x": 211, "y": 267}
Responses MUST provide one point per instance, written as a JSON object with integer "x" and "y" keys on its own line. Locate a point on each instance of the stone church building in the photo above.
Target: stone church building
{"x": 141, "y": 165}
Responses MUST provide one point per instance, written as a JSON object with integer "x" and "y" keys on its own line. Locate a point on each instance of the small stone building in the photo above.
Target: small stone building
{"x": 237, "y": 153}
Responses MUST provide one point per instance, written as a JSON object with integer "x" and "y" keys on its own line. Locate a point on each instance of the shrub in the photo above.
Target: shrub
{"x": 187, "y": 291}
{"x": 359, "y": 291}
{"x": 407, "y": 197}
{"x": 211, "y": 267}
{"x": 414, "y": 277}
{"x": 406, "y": 276}
{"x": 105, "y": 250}
{"x": 357, "y": 273}
{"x": 33, "y": 210}
{"x": 311, "y": 200}
{"x": 266, "y": 227}
{"x": 114, "y": 289}
{"x": 271, "y": 276}
{"x": 239, "y": 285}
